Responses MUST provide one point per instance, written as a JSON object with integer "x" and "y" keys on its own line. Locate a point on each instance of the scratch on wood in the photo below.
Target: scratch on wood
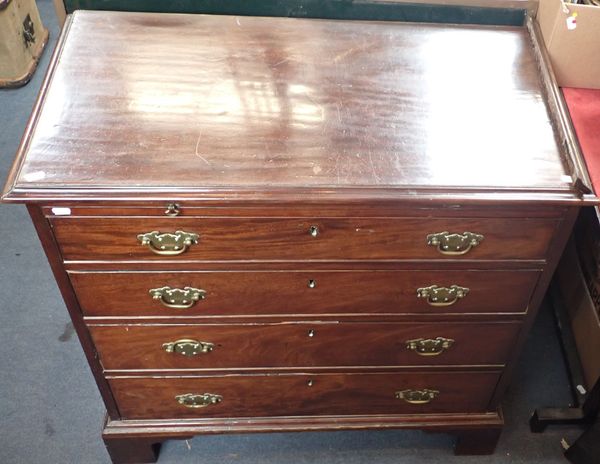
{"x": 339, "y": 113}
{"x": 377, "y": 179}
{"x": 337, "y": 167}
{"x": 280, "y": 62}
{"x": 317, "y": 104}
{"x": 197, "y": 147}
{"x": 352, "y": 51}
{"x": 341, "y": 56}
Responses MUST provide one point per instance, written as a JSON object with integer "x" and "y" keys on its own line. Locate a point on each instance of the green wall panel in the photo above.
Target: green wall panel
{"x": 329, "y": 9}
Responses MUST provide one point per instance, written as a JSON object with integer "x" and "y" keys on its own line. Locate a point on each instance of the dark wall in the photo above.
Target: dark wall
{"x": 330, "y": 9}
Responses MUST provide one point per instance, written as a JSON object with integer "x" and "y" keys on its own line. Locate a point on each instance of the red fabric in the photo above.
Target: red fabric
{"x": 584, "y": 107}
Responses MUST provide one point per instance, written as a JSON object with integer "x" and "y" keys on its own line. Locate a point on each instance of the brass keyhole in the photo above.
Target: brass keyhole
{"x": 313, "y": 231}
{"x": 312, "y": 283}
{"x": 173, "y": 210}
{"x": 310, "y": 383}
{"x": 311, "y": 333}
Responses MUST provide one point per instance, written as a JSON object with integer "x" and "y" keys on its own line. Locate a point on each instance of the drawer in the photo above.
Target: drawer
{"x": 303, "y": 394}
{"x": 302, "y": 345}
{"x": 252, "y": 239}
{"x": 127, "y": 294}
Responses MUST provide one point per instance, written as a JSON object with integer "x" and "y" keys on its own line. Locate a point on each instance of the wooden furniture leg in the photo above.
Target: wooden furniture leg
{"x": 132, "y": 450}
{"x": 476, "y": 441}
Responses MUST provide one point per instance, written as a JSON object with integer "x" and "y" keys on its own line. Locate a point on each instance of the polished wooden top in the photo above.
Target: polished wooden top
{"x": 192, "y": 105}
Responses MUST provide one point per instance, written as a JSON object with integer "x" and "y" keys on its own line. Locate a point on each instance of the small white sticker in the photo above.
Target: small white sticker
{"x": 61, "y": 211}
{"x": 572, "y": 22}
{"x": 34, "y": 176}
{"x": 567, "y": 179}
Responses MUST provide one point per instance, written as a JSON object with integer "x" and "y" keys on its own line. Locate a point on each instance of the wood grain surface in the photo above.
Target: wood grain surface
{"x": 229, "y": 293}
{"x": 291, "y": 395}
{"x": 289, "y": 104}
{"x": 383, "y": 207}
{"x": 251, "y": 239}
{"x": 299, "y": 345}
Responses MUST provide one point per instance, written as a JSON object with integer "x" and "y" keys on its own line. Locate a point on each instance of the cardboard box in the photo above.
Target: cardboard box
{"x": 572, "y": 36}
{"x": 22, "y": 40}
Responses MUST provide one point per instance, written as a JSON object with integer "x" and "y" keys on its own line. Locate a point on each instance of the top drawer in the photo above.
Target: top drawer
{"x": 259, "y": 238}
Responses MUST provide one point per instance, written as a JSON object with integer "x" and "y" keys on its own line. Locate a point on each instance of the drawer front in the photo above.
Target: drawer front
{"x": 128, "y": 294}
{"x": 303, "y": 345}
{"x": 252, "y": 239}
{"x": 302, "y": 394}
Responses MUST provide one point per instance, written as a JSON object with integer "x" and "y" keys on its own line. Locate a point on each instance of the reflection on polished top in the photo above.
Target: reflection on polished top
{"x": 180, "y": 101}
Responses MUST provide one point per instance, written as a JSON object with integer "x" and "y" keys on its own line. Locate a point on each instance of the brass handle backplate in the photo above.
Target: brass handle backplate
{"x": 192, "y": 400}
{"x": 168, "y": 244}
{"x": 178, "y": 298}
{"x": 454, "y": 244}
{"x": 187, "y": 347}
{"x": 442, "y": 296}
{"x": 417, "y": 396}
{"x": 429, "y": 346}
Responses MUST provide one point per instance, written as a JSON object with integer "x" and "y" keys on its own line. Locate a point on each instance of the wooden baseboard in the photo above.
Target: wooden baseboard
{"x": 188, "y": 427}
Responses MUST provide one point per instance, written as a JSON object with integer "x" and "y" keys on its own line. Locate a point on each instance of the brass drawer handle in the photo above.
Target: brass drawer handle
{"x": 191, "y": 400}
{"x": 454, "y": 244}
{"x": 442, "y": 296}
{"x": 417, "y": 396}
{"x": 178, "y": 298}
{"x": 168, "y": 244}
{"x": 429, "y": 346}
{"x": 187, "y": 347}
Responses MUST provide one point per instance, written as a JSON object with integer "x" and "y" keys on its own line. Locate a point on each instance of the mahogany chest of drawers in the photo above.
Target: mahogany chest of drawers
{"x": 263, "y": 224}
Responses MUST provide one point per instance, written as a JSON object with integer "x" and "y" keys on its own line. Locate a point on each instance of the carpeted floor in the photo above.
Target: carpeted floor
{"x": 51, "y": 412}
